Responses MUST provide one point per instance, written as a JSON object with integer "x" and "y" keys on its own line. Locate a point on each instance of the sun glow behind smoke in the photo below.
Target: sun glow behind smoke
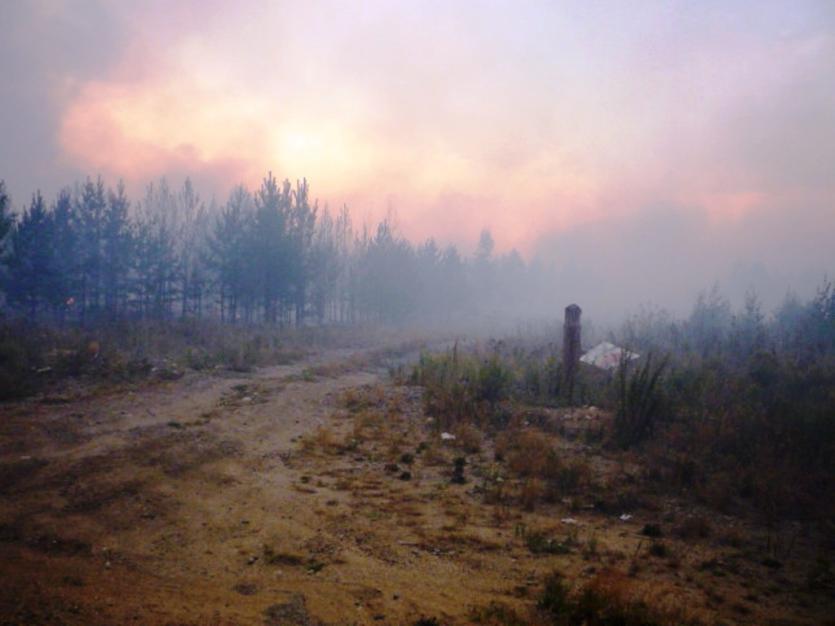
{"x": 527, "y": 120}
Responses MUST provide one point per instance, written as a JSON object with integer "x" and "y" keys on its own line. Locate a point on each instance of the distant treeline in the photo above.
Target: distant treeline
{"x": 272, "y": 256}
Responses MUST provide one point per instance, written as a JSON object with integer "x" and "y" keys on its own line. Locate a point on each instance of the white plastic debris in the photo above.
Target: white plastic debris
{"x": 625, "y": 517}
{"x": 447, "y": 437}
{"x": 568, "y": 520}
{"x": 607, "y": 356}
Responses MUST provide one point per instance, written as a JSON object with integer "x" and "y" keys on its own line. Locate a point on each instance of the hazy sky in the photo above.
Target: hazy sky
{"x": 651, "y": 146}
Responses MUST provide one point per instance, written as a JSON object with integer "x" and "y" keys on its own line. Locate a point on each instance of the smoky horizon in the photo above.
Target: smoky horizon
{"x": 641, "y": 154}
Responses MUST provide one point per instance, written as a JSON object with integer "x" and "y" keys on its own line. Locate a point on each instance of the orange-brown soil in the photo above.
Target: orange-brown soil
{"x": 266, "y": 499}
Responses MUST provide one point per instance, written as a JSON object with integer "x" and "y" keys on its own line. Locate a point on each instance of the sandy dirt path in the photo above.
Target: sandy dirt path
{"x": 153, "y": 505}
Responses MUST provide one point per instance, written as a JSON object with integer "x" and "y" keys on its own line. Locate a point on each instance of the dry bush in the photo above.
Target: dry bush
{"x": 467, "y": 438}
{"x": 531, "y": 453}
{"x": 640, "y": 401}
{"x": 395, "y": 443}
{"x": 308, "y": 443}
{"x": 610, "y": 598}
{"x": 502, "y": 445}
{"x": 325, "y": 438}
{"x": 733, "y": 537}
{"x": 367, "y": 425}
{"x": 395, "y": 406}
{"x": 322, "y": 439}
{"x": 377, "y": 395}
{"x": 495, "y": 487}
{"x": 719, "y": 492}
{"x": 33, "y": 357}
{"x": 350, "y": 443}
{"x": 435, "y": 455}
{"x": 354, "y": 400}
{"x": 573, "y": 477}
{"x": 502, "y": 514}
{"x": 464, "y": 388}
{"x": 498, "y": 614}
{"x": 693, "y": 527}
{"x": 531, "y": 493}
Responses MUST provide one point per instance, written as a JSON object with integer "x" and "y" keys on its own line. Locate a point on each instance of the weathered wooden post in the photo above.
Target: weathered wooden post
{"x": 571, "y": 348}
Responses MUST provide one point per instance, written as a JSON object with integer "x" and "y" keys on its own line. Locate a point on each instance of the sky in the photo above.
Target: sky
{"x": 646, "y": 148}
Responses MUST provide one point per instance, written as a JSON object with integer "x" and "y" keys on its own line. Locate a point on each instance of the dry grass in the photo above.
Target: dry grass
{"x": 467, "y": 438}
{"x": 649, "y": 582}
{"x": 532, "y": 491}
{"x": 529, "y": 453}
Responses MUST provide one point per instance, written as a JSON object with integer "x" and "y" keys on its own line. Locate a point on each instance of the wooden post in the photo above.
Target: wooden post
{"x": 571, "y": 348}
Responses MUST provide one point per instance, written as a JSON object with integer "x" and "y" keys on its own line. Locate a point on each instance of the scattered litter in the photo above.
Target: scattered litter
{"x": 607, "y": 356}
{"x": 447, "y": 437}
{"x": 568, "y": 520}
{"x": 247, "y": 399}
{"x": 625, "y": 517}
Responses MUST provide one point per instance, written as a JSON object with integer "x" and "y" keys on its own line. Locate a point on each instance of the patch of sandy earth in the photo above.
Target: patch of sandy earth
{"x": 154, "y": 506}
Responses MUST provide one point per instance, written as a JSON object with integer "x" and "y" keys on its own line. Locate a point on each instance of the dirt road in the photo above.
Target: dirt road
{"x": 154, "y": 506}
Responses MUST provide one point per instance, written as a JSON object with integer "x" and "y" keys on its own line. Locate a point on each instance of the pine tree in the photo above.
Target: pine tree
{"x": 270, "y": 245}
{"x": 6, "y": 219}
{"x": 228, "y": 253}
{"x": 6, "y": 225}
{"x": 325, "y": 268}
{"x": 32, "y": 266}
{"x": 155, "y": 258}
{"x": 65, "y": 246}
{"x": 189, "y": 220}
{"x": 302, "y": 225}
{"x": 117, "y": 243}
{"x": 90, "y": 208}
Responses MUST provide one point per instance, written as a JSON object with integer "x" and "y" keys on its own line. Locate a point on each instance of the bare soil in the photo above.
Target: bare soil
{"x": 273, "y": 498}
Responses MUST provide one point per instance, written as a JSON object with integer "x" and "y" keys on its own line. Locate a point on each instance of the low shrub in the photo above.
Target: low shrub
{"x": 606, "y": 600}
{"x": 640, "y": 401}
